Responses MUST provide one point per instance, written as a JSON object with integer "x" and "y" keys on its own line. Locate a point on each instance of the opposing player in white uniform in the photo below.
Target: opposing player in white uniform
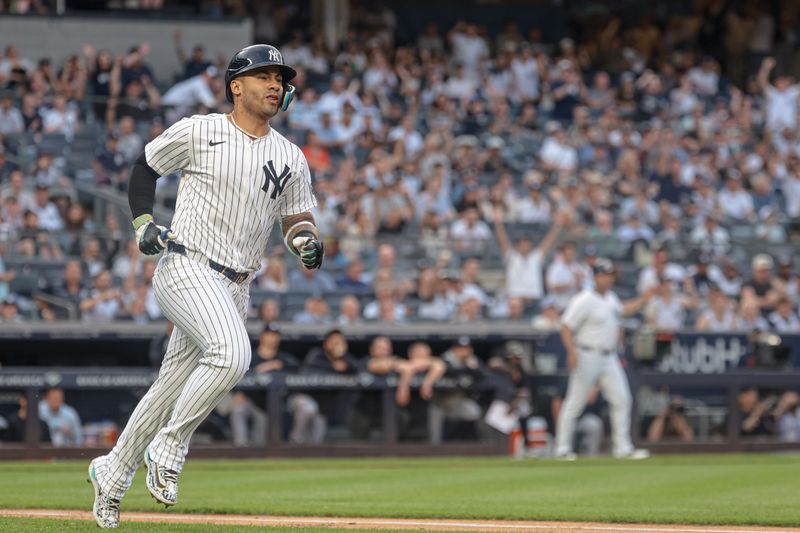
{"x": 590, "y": 333}
{"x": 238, "y": 176}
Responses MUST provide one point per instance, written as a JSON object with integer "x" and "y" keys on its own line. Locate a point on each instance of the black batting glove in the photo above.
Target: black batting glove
{"x": 151, "y": 238}
{"x": 310, "y": 249}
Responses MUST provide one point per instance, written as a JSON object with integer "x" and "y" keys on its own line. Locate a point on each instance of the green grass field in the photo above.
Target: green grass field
{"x": 721, "y": 489}
{"x": 35, "y": 525}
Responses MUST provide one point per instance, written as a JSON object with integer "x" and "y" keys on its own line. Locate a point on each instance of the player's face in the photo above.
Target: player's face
{"x": 261, "y": 91}
{"x": 604, "y": 282}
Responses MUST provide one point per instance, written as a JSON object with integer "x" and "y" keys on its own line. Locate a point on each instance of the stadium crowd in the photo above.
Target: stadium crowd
{"x": 461, "y": 177}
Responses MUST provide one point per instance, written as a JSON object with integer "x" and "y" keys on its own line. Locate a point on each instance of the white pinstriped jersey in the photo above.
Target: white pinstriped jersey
{"x": 232, "y": 187}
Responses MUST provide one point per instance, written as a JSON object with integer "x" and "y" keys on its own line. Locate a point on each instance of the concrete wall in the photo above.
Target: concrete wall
{"x": 57, "y": 38}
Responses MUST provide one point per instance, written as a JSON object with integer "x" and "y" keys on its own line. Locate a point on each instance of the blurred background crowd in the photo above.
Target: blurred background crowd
{"x": 462, "y": 174}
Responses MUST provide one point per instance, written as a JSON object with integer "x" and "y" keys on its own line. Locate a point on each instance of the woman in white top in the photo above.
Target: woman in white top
{"x": 667, "y": 310}
{"x": 719, "y": 316}
{"x": 524, "y": 263}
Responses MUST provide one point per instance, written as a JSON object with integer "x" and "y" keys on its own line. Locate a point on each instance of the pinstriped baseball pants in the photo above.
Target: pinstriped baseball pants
{"x": 208, "y": 353}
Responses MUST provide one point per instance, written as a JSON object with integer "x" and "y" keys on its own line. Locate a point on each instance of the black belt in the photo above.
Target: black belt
{"x": 598, "y": 350}
{"x": 236, "y": 277}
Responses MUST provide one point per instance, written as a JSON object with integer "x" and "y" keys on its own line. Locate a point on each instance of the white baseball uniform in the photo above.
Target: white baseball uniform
{"x": 231, "y": 191}
{"x": 594, "y": 320}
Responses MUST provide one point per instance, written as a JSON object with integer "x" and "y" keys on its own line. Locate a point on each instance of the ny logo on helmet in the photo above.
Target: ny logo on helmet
{"x": 275, "y": 56}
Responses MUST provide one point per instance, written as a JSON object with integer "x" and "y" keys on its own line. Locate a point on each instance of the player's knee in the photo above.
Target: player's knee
{"x": 232, "y": 352}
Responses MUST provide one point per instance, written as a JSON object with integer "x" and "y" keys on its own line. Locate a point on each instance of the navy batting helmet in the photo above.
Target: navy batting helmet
{"x": 259, "y": 56}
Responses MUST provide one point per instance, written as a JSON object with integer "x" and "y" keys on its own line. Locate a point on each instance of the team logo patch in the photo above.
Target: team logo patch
{"x": 278, "y": 180}
{"x": 275, "y": 56}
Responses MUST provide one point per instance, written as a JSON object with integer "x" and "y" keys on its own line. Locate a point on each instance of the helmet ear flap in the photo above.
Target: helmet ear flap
{"x": 288, "y": 96}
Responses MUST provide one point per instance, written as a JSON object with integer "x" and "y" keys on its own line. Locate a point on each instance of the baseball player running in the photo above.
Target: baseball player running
{"x": 590, "y": 333}
{"x": 238, "y": 176}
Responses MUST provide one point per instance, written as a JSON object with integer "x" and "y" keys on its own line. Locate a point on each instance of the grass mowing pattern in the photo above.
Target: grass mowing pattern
{"x": 709, "y": 489}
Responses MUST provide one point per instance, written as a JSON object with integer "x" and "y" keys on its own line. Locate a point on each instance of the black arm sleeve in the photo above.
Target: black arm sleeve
{"x": 142, "y": 188}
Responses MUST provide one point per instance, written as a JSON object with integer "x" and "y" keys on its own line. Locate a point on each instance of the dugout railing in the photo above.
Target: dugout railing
{"x": 276, "y": 387}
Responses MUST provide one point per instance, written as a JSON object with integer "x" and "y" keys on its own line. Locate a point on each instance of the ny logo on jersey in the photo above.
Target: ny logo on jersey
{"x": 275, "y": 56}
{"x": 278, "y": 182}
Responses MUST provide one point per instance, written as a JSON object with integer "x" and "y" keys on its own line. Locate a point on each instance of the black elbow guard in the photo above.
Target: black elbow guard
{"x": 142, "y": 187}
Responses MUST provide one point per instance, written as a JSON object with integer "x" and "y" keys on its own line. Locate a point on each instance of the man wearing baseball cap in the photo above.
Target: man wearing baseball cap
{"x": 590, "y": 332}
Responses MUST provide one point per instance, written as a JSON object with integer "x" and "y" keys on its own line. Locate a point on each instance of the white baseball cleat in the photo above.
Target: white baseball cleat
{"x": 634, "y": 455}
{"x": 162, "y": 482}
{"x": 105, "y": 509}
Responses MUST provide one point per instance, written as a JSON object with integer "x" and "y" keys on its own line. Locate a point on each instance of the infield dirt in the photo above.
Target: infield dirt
{"x": 410, "y": 524}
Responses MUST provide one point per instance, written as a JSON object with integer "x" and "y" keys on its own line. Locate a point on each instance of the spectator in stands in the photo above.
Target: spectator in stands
{"x": 760, "y": 287}
{"x": 565, "y": 275}
{"x": 534, "y": 208}
{"x": 730, "y": 282}
{"x": 110, "y": 157}
{"x": 46, "y": 211}
{"x": 388, "y": 304}
{"x": 133, "y": 65}
{"x": 437, "y": 300}
{"x": 103, "y": 302}
{"x": 62, "y": 420}
{"x": 138, "y": 298}
{"x": 470, "y": 234}
{"x": 9, "y": 310}
{"x": 750, "y": 319}
{"x": 734, "y": 201}
{"x": 318, "y": 281}
{"x": 248, "y": 421}
{"x": 661, "y": 267}
{"x": 11, "y": 121}
{"x": 129, "y": 143}
{"x": 352, "y": 280}
{"x": 387, "y": 269}
{"x": 455, "y": 406}
{"x": 784, "y": 318}
{"x": 719, "y": 316}
{"x": 349, "y": 311}
{"x": 315, "y": 311}
{"x": 786, "y": 280}
{"x": 711, "y": 237}
{"x": 139, "y": 99}
{"x": 274, "y": 278}
{"x": 634, "y": 230}
{"x": 524, "y": 263}
{"x": 185, "y": 95}
{"x": 12, "y": 64}
{"x": 17, "y": 188}
{"x": 769, "y": 229}
{"x": 6, "y": 166}
{"x": 130, "y": 262}
{"x": 269, "y": 311}
{"x": 317, "y": 154}
{"x": 557, "y": 154}
{"x": 45, "y": 173}
{"x": 61, "y": 118}
{"x": 549, "y": 319}
{"x": 781, "y": 98}
{"x": 92, "y": 256}
{"x": 667, "y": 310}
{"x": 197, "y": 62}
